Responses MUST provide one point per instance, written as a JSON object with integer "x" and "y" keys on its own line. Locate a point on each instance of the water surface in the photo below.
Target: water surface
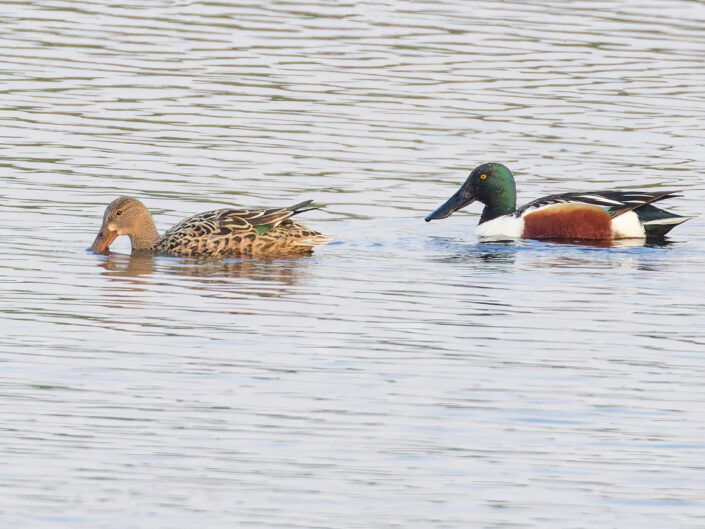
{"x": 406, "y": 375}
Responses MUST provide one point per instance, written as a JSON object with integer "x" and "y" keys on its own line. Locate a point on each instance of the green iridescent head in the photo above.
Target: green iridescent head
{"x": 489, "y": 183}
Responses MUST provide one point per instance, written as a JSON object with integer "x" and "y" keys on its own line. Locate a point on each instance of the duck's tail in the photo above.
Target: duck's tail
{"x": 304, "y": 237}
{"x": 313, "y": 240}
{"x": 658, "y": 222}
{"x": 658, "y": 228}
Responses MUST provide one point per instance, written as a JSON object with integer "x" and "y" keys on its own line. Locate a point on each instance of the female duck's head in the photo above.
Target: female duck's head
{"x": 126, "y": 216}
{"x": 490, "y": 183}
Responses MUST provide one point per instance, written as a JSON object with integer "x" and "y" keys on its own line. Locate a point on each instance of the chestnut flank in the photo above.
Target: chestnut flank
{"x": 568, "y": 221}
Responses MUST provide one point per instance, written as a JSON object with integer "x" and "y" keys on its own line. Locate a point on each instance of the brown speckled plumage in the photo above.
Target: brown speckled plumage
{"x": 220, "y": 233}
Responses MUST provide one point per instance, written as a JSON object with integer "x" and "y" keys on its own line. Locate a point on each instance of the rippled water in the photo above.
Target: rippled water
{"x": 406, "y": 375}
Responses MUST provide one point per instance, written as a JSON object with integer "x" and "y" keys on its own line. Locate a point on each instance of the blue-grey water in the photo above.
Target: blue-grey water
{"x": 406, "y": 375}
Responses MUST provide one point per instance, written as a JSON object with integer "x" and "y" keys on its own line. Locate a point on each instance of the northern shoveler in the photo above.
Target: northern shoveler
{"x": 219, "y": 233}
{"x": 593, "y": 215}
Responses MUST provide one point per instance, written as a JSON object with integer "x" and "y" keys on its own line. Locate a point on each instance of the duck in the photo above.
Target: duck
{"x": 234, "y": 232}
{"x": 588, "y": 215}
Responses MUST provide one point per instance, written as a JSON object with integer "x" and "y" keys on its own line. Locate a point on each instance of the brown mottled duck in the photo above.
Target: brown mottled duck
{"x": 225, "y": 232}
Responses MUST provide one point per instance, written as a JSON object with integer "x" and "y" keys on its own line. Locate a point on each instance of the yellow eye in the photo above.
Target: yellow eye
{"x": 483, "y": 176}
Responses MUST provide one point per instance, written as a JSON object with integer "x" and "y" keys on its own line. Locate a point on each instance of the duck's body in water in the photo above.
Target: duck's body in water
{"x": 589, "y": 215}
{"x": 224, "y": 232}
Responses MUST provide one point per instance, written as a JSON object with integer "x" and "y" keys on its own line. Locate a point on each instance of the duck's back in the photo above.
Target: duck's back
{"x": 241, "y": 232}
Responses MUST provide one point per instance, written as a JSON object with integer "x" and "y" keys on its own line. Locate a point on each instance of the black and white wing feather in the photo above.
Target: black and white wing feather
{"x": 614, "y": 202}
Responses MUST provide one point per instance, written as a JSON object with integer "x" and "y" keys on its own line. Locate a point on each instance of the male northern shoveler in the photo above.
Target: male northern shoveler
{"x": 594, "y": 215}
{"x": 219, "y": 233}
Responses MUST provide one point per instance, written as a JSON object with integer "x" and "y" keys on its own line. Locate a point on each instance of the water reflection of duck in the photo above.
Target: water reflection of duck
{"x": 283, "y": 270}
{"x": 135, "y": 265}
{"x": 223, "y": 232}
{"x": 590, "y": 215}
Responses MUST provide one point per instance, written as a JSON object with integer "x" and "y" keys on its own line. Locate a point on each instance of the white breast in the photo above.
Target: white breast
{"x": 507, "y": 226}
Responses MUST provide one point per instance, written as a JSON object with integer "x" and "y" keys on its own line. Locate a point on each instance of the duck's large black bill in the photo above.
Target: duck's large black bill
{"x": 462, "y": 198}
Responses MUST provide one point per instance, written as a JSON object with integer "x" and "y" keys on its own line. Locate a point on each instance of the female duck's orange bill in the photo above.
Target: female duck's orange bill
{"x": 103, "y": 240}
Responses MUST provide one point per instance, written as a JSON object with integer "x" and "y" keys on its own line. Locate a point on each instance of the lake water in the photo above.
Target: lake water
{"x": 406, "y": 375}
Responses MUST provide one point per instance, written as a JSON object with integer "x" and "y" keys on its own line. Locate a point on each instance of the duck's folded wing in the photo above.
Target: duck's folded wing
{"x": 614, "y": 202}
{"x": 260, "y": 219}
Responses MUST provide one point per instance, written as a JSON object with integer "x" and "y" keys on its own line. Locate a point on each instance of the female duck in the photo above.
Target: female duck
{"x": 593, "y": 215}
{"x": 218, "y": 233}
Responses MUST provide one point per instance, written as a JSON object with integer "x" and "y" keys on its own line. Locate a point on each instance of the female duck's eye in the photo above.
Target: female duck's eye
{"x": 482, "y": 177}
{"x": 119, "y": 213}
